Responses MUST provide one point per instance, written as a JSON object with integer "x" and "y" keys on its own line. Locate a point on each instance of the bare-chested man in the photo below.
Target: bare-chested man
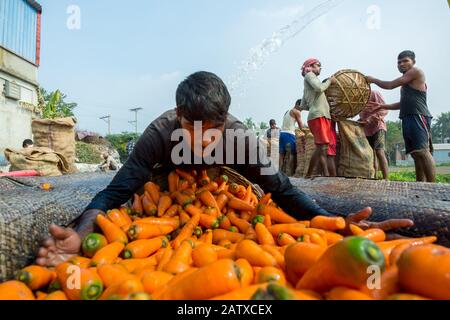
{"x": 414, "y": 113}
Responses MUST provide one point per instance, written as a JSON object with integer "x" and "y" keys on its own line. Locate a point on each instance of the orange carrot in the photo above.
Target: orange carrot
{"x": 225, "y": 222}
{"x": 107, "y": 254}
{"x": 265, "y": 199}
{"x": 263, "y": 235}
{"x": 247, "y": 273}
{"x": 238, "y": 204}
{"x": 203, "y": 255}
{"x": 204, "y": 179}
{"x": 209, "y": 222}
{"x": 248, "y": 249}
{"x": 294, "y": 229}
{"x": 197, "y": 285}
{"x": 284, "y": 239}
{"x": 165, "y": 258}
{"x": 317, "y": 239}
{"x": 183, "y": 185}
{"x": 173, "y": 179}
{"x": 172, "y": 211}
{"x": 184, "y": 217}
{"x": 110, "y": 230}
{"x": 36, "y": 277}
{"x": 388, "y": 246}
{"x": 56, "y": 295}
{"x": 271, "y": 274}
{"x": 274, "y": 252}
{"x": 332, "y": 237}
{"x": 208, "y": 200}
{"x": 153, "y": 191}
{"x": 163, "y": 221}
{"x": 140, "y": 249}
{"x": 275, "y": 214}
{"x": 149, "y": 206}
{"x": 154, "y": 280}
{"x": 112, "y": 274}
{"x": 89, "y": 286}
{"x": 180, "y": 260}
{"x": 118, "y": 218}
{"x": 164, "y": 203}
{"x": 376, "y": 235}
{"x": 15, "y": 290}
{"x": 220, "y": 234}
{"x": 357, "y": 231}
{"x": 140, "y": 231}
{"x": 211, "y": 187}
{"x": 246, "y": 215}
{"x": 328, "y": 223}
{"x": 187, "y": 230}
{"x": 251, "y": 234}
{"x": 137, "y": 208}
{"x": 299, "y": 257}
{"x": 242, "y": 224}
{"x": 267, "y": 221}
{"x": 186, "y": 176}
{"x": 342, "y": 293}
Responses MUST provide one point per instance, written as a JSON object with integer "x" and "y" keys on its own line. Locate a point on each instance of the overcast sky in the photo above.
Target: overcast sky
{"x": 134, "y": 54}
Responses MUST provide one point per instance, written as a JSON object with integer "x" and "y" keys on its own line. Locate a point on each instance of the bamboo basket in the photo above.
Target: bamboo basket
{"x": 349, "y": 96}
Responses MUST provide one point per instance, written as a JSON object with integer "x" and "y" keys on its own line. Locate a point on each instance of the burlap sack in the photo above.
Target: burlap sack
{"x": 356, "y": 155}
{"x": 44, "y": 160}
{"x": 58, "y": 135}
{"x": 305, "y": 149}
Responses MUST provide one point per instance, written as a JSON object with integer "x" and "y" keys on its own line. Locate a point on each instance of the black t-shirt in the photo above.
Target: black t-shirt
{"x": 154, "y": 148}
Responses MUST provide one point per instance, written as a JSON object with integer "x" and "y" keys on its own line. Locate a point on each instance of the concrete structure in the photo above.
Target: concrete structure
{"x": 441, "y": 155}
{"x": 19, "y": 61}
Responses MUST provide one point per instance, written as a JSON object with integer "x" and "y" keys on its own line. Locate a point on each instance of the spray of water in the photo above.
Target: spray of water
{"x": 260, "y": 54}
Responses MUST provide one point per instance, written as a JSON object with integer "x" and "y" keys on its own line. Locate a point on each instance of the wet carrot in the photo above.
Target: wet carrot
{"x": 165, "y": 258}
{"x": 328, "y": 223}
{"x": 242, "y": 224}
{"x": 250, "y": 250}
{"x": 118, "y": 218}
{"x": 387, "y": 246}
{"x": 110, "y": 230}
{"x": 424, "y": 270}
{"x": 238, "y": 204}
{"x": 137, "y": 208}
{"x": 140, "y": 249}
{"x": 163, "y": 205}
{"x": 187, "y": 230}
{"x": 173, "y": 179}
{"x": 332, "y": 237}
{"x": 209, "y": 222}
{"x": 284, "y": 239}
{"x": 186, "y": 176}
{"x": 153, "y": 191}
{"x": 203, "y": 255}
{"x": 107, "y": 254}
{"x": 263, "y": 235}
{"x": 294, "y": 229}
{"x": 36, "y": 277}
{"x": 163, "y": 221}
{"x": 376, "y": 235}
{"x": 279, "y": 257}
{"x": 112, "y": 274}
{"x": 154, "y": 280}
{"x": 220, "y": 234}
{"x": 180, "y": 260}
{"x": 197, "y": 285}
{"x": 318, "y": 239}
{"x": 357, "y": 231}
{"x": 90, "y": 284}
{"x": 276, "y": 214}
{"x": 15, "y": 290}
{"x": 271, "y": 274}
{"x": 139, "y": 231}
{"x": 150, "y": 208}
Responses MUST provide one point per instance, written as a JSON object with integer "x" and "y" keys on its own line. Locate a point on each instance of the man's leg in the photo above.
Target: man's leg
{"x": 383, "y": 162}
{"x": 323, "y": 159}
{"x": 332, "y": 166}
{"x": 313, "y": 162}
{"x": 420, "y": 173}
{"x": 427, "y": 166}
{"x": 281, "y": 161}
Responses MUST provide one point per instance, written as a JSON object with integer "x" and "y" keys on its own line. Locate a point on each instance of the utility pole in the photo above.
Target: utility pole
{"x": 135, "y": 110}
{"x": 107, "y": 119}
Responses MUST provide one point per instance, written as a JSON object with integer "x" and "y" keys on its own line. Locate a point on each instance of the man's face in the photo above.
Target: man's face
{"x": 273, "y": 125}
{"x": 202, "y": 140}
{"x": 317, "y": 68}
{"x": 405, "y": 64}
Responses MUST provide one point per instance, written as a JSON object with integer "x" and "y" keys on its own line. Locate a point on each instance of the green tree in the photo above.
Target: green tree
{"x": 263, "y": 125}
{"x": 441, "y": 128}
{"x": 248, "y": 122}
{"x": 53, "y": 106}
{"x": 394, "y": 139}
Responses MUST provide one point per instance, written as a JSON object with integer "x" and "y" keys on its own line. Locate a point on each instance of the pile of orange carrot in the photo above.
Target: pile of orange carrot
{"x": 214, "y": 239}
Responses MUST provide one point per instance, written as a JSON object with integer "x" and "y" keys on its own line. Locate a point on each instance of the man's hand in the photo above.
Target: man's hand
{"x": 63, "y": 244}
{"x": 360, "y": 219}
{"x": 370, "y": 79}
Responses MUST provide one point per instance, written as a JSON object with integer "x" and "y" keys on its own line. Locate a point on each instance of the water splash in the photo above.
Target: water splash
{"x": 260, "y": 54}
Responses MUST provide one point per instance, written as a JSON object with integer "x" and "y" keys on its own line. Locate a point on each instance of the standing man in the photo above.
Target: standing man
{"x": 287, "y": 134}
{"x": 414, "y": 113}
{"x": 319, "y": 118}
{"x": 375, "y": 129}
{"x": 273, "y": 130}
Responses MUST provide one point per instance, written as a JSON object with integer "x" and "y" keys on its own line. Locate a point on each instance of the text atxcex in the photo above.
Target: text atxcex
{"x": 226, "y": 310}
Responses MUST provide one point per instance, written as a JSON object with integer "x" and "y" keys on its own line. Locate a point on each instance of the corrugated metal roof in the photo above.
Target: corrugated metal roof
{"x": 18, "y": 28}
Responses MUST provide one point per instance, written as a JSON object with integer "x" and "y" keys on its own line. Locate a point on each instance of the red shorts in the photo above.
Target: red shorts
{"x": 323, "y": 133}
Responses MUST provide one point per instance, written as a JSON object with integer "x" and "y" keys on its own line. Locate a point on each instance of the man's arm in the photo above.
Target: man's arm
{"x": 408, "y": 77}
{"x": 298, "y": 117}
{"x": 316, "y": 84}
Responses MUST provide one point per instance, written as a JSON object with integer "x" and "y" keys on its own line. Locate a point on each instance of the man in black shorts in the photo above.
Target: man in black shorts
{"x": 414, "y": 113}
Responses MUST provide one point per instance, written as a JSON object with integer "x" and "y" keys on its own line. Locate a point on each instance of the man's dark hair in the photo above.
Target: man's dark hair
{"x": 26, "y": 143}
{"x": 407, "y": 54}
{"x": 272, "y": 122}
{"x": 298, "y": 102}
{"x": 203, "y": 96}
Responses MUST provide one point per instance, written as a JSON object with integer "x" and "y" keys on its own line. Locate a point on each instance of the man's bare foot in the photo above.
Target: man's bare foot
{"x": 63, "y": 244}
